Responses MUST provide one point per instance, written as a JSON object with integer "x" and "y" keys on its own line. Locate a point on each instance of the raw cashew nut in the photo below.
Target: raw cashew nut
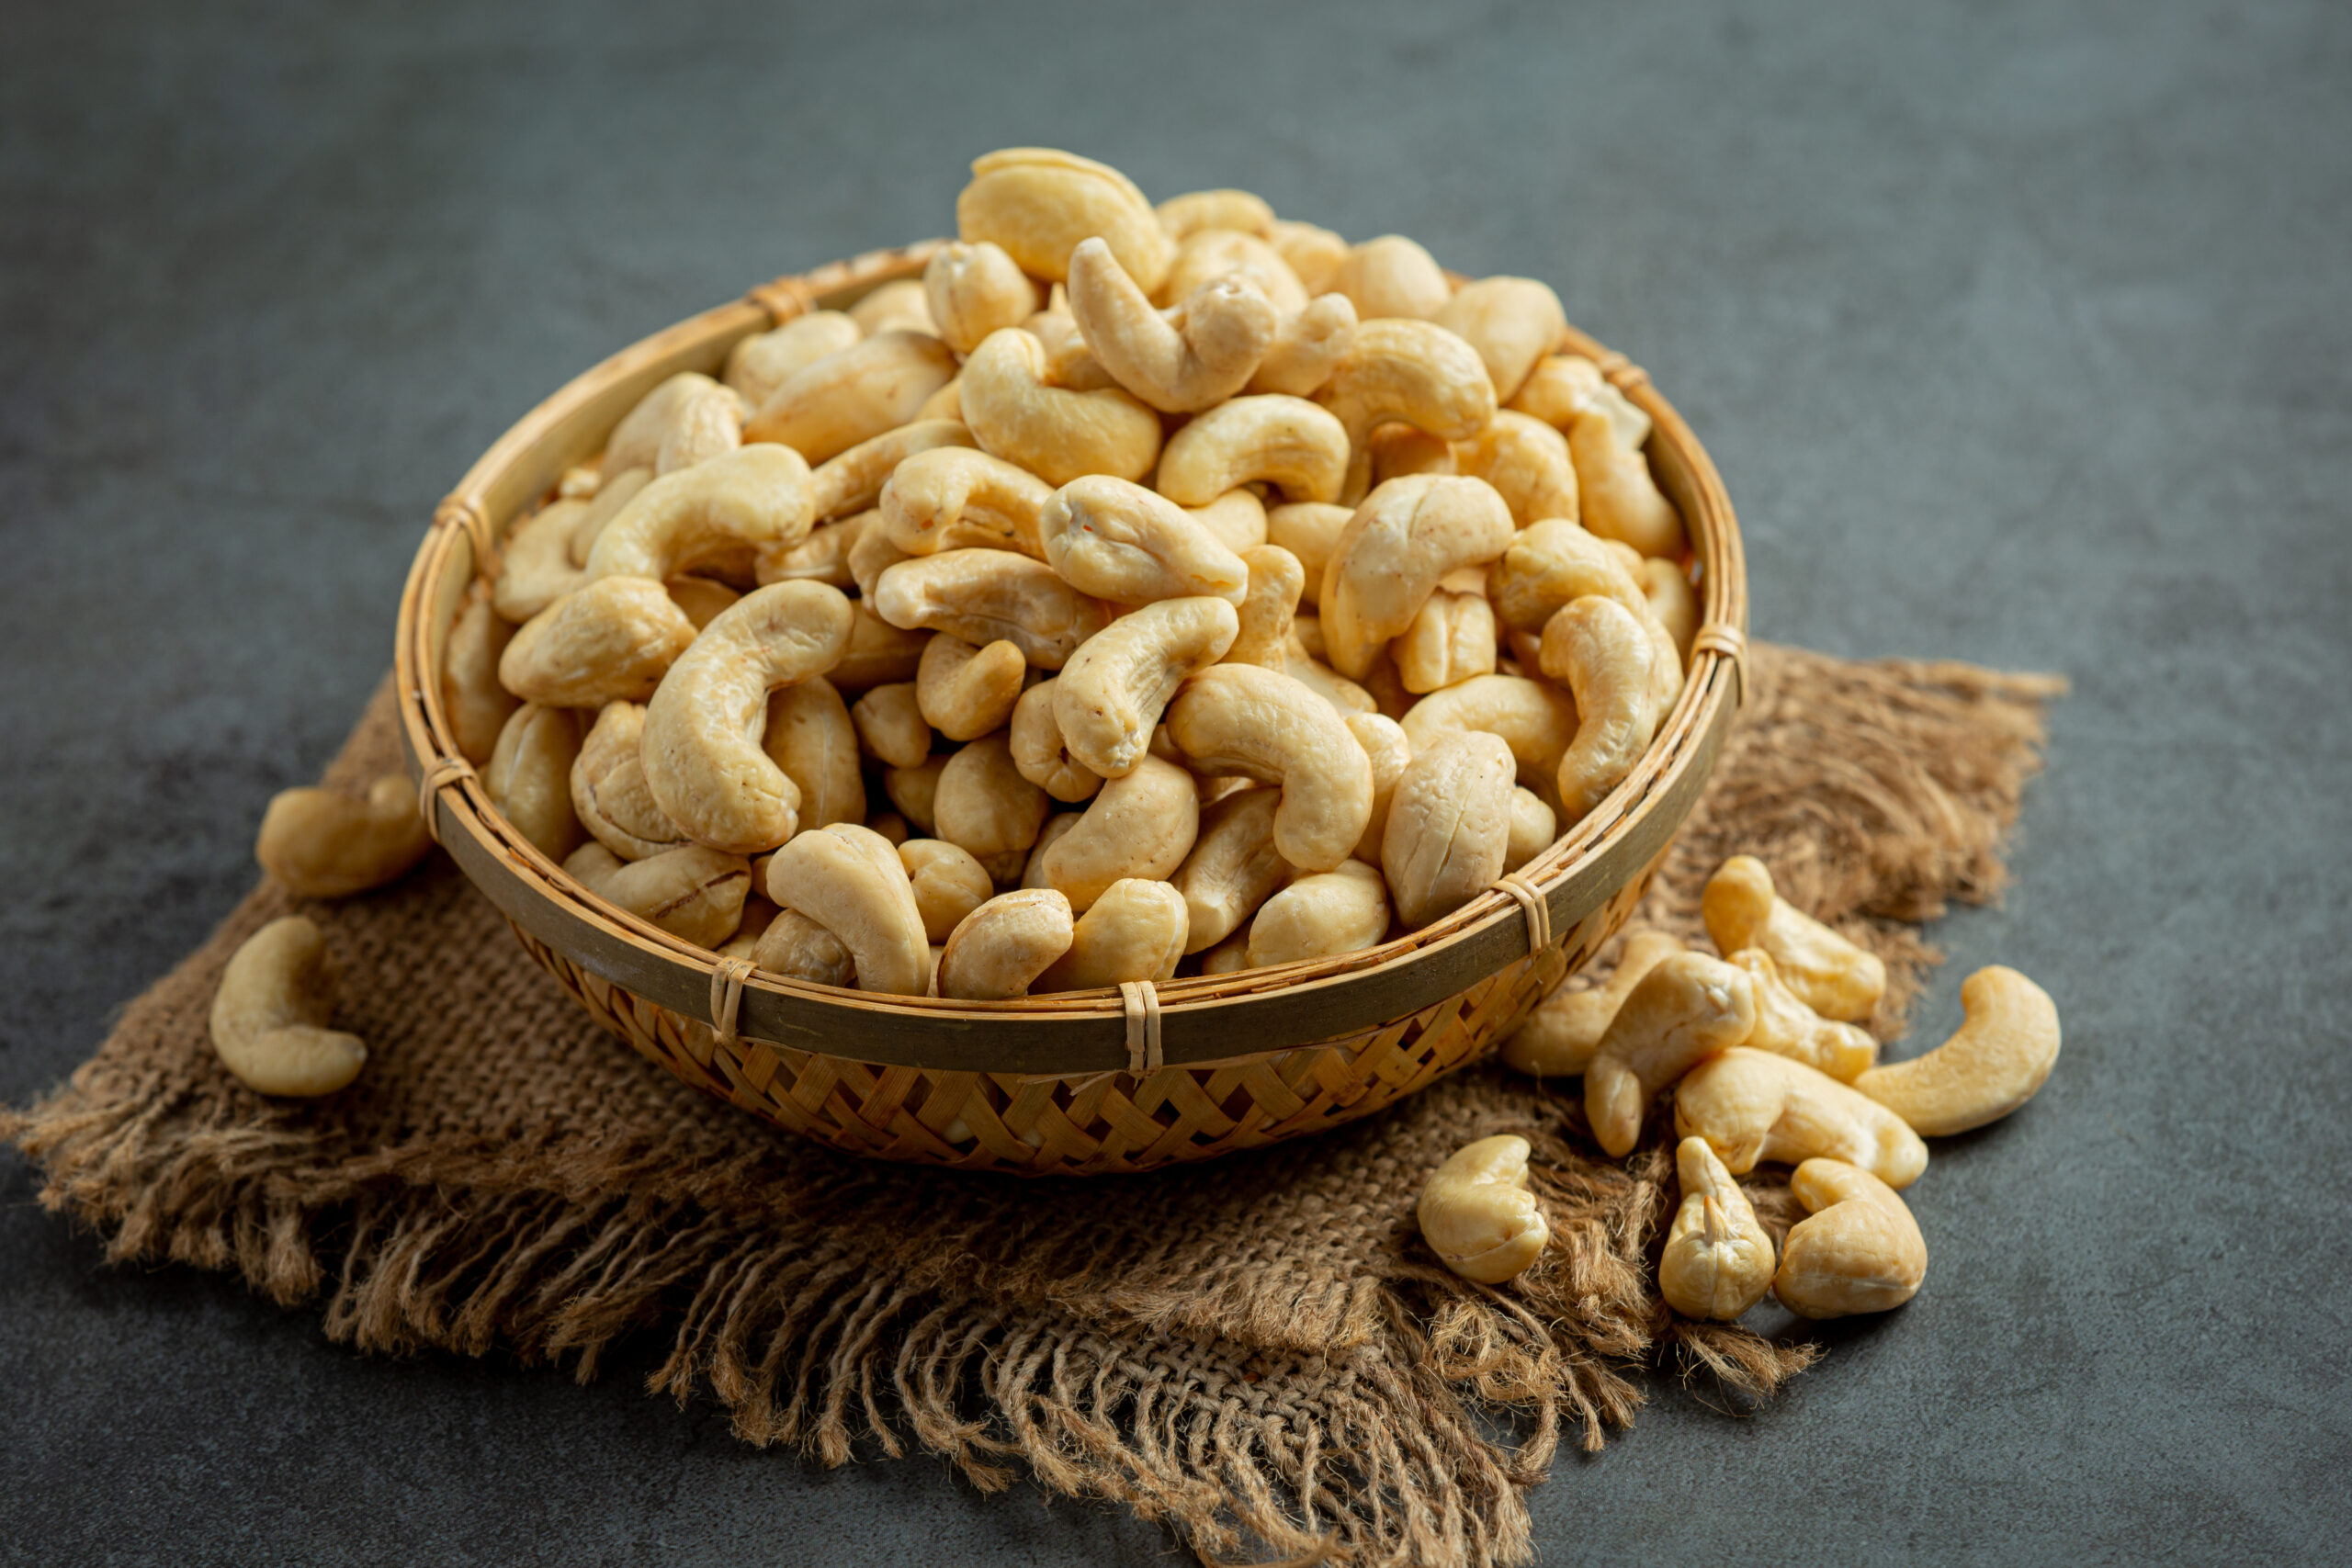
{"x": 534, "y": 566}
{"x": 1136, "y": 931}
{"x": 1554, "y": 561}
{"x": 1560, "y": 1036}
{"x": 1685, "y": 1009}
{"x": 1400, "y": 451}
{"x": 1383, "y": 740}
{"x": 854, "y": 480}
{"x": 321, "y": 844}
{"x": 1405, "y": 536}
{"x": 1039, "y": 203}
{"x": 701, "y": 748}
{"x": 949, "y": 883}
{"x": 1309, "y": 530}
{"x": 1183, "y": 216}
{"x": 984, "y": 595}
{"x": 1449, "y": 824}
{"x": 1450, "y": 639}
{"x": 1313, "y": 254}
{"x": 1828, "y": 973}
{"x": 758, "y": 365}
{"x": 1233, "y": 868}
{"x": 1563, "y": 388}
{"x": 1237, "y": 718}
{"x": 1859, "y": 1251}
{"x": 1320, "y": 916}
{"x": 269, "y": 1016}
{"x": 849, "y": 880}
{"x": 608, "y": 791}
{"x": 915, "y": 792}
{"x": 529, "y": 777}
{"x": 1342, "y": 695}
{"x": 1533, "y": 827}
{"x": 998, "y": 950}
{"x": 959, "y": 500}
{"x": 473, "y": 690}
{"x": 1040, "y": 752}
{"x": 1477, "y": 1214}
{"x": 1109, "y": 698}
{"x": 899, "y": 305}
{"x": 822, "y": 557}
{"x": 1033, "y": 874}
{"x": 1287, "y": 442}
{"x": 1229, "y": 957}
{"x": 1511, "y": 321}
{"x": 1536, "y": 720}
{"x": 966, "y": 691}
{"x": 877, "y": 385}
{"x": 1621, "y": 500}
{"x": 694, "y": 892}
{"x": 1197, "y": 353}
{"x": 793, "y": 945}
{"x": 1753, "y": 1106}
{"x": 891, "y": 727}
{"x": 1215, "y": 256}
{"x": 1604, "y": 657}
{"x": 1268, "y": 606}
{"x": 754, "y": 498}
{"x": 1121, "y": 542}
{"x": 1236, "y": 520}
{"x": 1527, "y": 462}
{"x": 1718, "y": 1259}
{"x": 878, "y": 653}
{"x": 638, "y": 440}
{"x": 1786, "y": 1027}
{"x": 1415, "y": 372}
{"x": 703, "y": 599}
{"x": 1309, "y": 345}
{"x": 1676, "y": 603}
{"x": 612, "y": 496}
{"x": 1995, "y": 1062}
{"x": 1392, "y": 276}
{"x": 809, "y": 735}
{"x": 983, "y": 804}
{"x": 709, "y": 425}
{"x": 975, "y": 289}
{"x": 1058, "y": 432}
{"x": 1142, "y": 825}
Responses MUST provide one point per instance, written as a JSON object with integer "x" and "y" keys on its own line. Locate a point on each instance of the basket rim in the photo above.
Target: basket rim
{"x": 1198, "y": 1020}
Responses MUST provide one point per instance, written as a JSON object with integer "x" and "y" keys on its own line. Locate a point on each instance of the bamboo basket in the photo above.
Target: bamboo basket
{"x": 1080, "y": 1083}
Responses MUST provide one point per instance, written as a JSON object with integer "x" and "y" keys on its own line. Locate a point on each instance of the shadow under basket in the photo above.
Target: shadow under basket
{"x": 1075, "y": 1083}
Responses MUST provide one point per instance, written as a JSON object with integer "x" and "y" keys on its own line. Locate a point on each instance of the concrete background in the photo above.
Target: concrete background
{"x": 2020, "y": 333}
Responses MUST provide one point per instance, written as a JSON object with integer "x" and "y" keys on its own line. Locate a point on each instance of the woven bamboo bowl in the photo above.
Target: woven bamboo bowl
{"x": 1080, "y": 1083}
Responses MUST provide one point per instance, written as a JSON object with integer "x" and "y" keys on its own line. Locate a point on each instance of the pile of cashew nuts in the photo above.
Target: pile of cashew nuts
{"x": 1764, "y": 1049}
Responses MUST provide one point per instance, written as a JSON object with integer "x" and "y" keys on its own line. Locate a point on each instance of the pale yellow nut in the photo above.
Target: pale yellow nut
{"x": 1449, "y": 827}
{"x": 1119, "y": 541}
{"x": 966, "y": 691}
{"x": 1560, "y": 1036}
{"x": 900, "y": 305}
{"x": 849, "y": 880}
{"x": 703, "y": 599}
{"x": 760, "y": 363}
{"x": 1477, "y": 1215}
{"x": 1289, "y": 443}
{"x": 1786, "y": 1027}
{"x": 609, "y": 641}
{"x": 1342, "y": 695}
{"x": 875, "y": 385}
{"x": 701, "y": 748}
{"x": 852, "y": 480}
{"x": 1032, "y": 872}
{"x": 1621, "y": 500}
{"x": 609, "y": 796}
{"x": 796, "y": 947}
{"x": 1199, "y": 351}
{"x": 1996, "y": 1061}
{"x": 578, "y": 483}
{"x": 1534, "y": 828}
{"x": 1563, "y": 388}
{"x": 871, "y": 554}
{"x": 758, "y": 497}
{"x": 270, "y": 1013}
{"x": 1392, "y": 276}
{"x": 1185, "y": 215}
{"x": 534, "y": 566}
{"x": 1527, "y": 462}
{"x": 809, "y": 735}
{"x": 1387, "y": 562}
{"x": 1450, "y": 639}
{"x": 1400, "y": 451}
{"x": 1229, "y": 957}
{"x": 999, "y": 950}
{"x": 949, "y": 883}
{"x": 1039, "y": 203}
{"x": 1675, "y": 603}
{"x": 890, "y": 725}
{"x": 1314, "y": 254}
{"x": 1511, "y": 321}
{"x": 945, "y": 403}
{"x": 955, "y": 499}
{"x": 1268, "y": 606}
{"x": 476, "y": 698}
{"x": 706, "y": 426}
{"x": 636, "y": 442}
{"x": 1552, "y": 562}
{"x": 612, "y": 498}
{"x": 1320, "y": 916}
{"x": 1069, "y": 364}
{"x": 1687, "y": 1008}
{"x": 529, "y": 776}
{"x": 1309, "y": 347}
{"x": 974, "y": 289}
{"x": 915, "y": 792}
{"x": 984, "y": 804}
{"x": 1309, "y": 530}
{"x": 984, "y": 595}
{"x": 1753, "y": 1106}
{"x": 1415, "y": 372}
{"x": 1718, "y": 1258}
{"x": 1136, "y": 931}
{"x": 1233, "y": 867}
{"x": 1109, "y": 698}
{"x": 694, "y": 893}
{"x": 322, "y": 843}
{"x": 1012, "y": 404}
{"x": 1535, "y": 719}
{"x": 1385, "y": 744}
{"x": 757, "y": 917}
{"x": 1859, "y": 1251}
{"x": 1240, "y": 719}
{"x": 1143, "y": 825}
{"x": 822, "y": 557}
{"x": 1236, "y": 520}
{"x": 1210, "y": 256}
{"x": 1606, "y": 660}
{"x": 1042, "y": 753}
{"x": 878, "y": 652}
{"x": 1828, "y": 973}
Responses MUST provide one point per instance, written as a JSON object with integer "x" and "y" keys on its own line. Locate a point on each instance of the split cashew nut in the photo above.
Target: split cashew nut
{"x": 1859, "y": 1251}
{"x": 1718, "y": 1259}
{"x": 608, "y": 792}
{"x": 1477, "y": 1214}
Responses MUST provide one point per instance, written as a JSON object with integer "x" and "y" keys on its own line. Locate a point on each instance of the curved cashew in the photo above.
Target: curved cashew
{"x": 1213, "y": 255}
{"x": 955, "y": 500}
{"x": 1605, "y": 657}
{"x": 975, "y": 289}
{"x": 759, "y": 496}
{"x": 1136, "y": 931}
{"x": 1786, "y": 1027}
{"x": 966, "y": 691}
{"x": 875, "y": 385}
{"x": 321, "y": 844}
{"x": 1267, "y": 607}
{"x": 945, "y": 403}
{"x": 890, "y": 725}
{"x": 1287, "y": 442}
{"x": 1687, "y": 1008}
{"x": 1621, "y": 500}
{"x": 473, "y": 691}
{"x": 1109, "y": 698}
{"x": 1240, "y": 719}
{"x": 1554, "y": 561}
{"x": 999, "y": 950}
{"x": 612, "y": 496}
{"x": 1675, "y": 603}
{"x": 852, "y": 482}
{"x": 809, "y": 735}
{"x": 1560, "y": 1036}
{"x": 1563, "y": 388}
{"x": 269, "y": 1016}
{"x": 793, "y": 945}
{"x": 1041, "y": 753}
{"x": 1199, "y": 351}
{"x": 1308, "y": 347}
{"x": 1511, "y": 321}
{"x": 1414, "y": 372}
{"x": 1183, "y": 216}
{"x": 706, "y": 427}
{"x": 1392, "y": 276}
{"x": 758, "y": 365}
{"x": 608, "y": 792}
{"x": 1309, "y": 530}
{"x": 529, "y": 777}
{"x": 1142, "y": 825}
{"x": 1828, "y": 973}
{"x": 638, "y": 440}
{"x": 1477, "y": 1214}
{"x": 1996, "y": 1061}
{"x": 1321, "y": 915}
{"x": 949, "y": 883}
{"x": 822, "y": 557}
{"x": 1013, "y": 406}
{"x": 1533, "y": 827}
{"x": 984, "y": 595}
{"x": 1314, "y": 254}
{"x": 1121, "y": 542}
{"x": 701, "y": 748}
{"x": 1450, "y": 639}
{"x": 1718, "y": 1259}
{"x": 1236, "y": 520}
{"x": 849, "y": 880}
{"x": 1383, "y": 740}
{"x": 1387, "y": 562}
{"x": 1527, "y": 462}
{"x": 1859, "y": 1251}
{"x": 1449, "y": 824}
{"x": 1753, "y": 1106}
{"x": 878, "y": 652}
{"x": 1039, "y": 203}
{"x": 982, "y": 804}
{"x": 534, "y": 566}
{"x": 900, "y": 305}
{"x": 1233, "y": 868}
{"x": 694, "y": 892}
{"x": 915, "y": 792}
{"x": 610, "y": 641}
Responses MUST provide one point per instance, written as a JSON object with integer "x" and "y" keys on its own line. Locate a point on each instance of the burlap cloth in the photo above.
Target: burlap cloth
{"x": 1259, "y": 1351}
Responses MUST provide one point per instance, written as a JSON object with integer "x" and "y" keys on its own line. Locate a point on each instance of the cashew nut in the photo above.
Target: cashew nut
{"x": 609, "y": 641}
{"x": 529, "y": 777}
{"x": 1289, "y": 443}
{"x": 998, "y": 950}
{"x": 1859, "y": 1251}
{"x": 1342, "y": 695}
{"x": 1199, "y": 351}
{"x": 900, "y": 305}
{"x": 849, "y": 880}
{"x": 608, "y": 791}
{"x": 1527, "y": 462}
{"x": 1511, "y": 321}
{"x": 1267, "y": 607}
{"x": 1383, "y": 740}
{"x": 797, "y": 946}
{"x": 321, "y": 844}
{"x": 1042, "y": 755}
{"x": 1142, "y": 825}
{"x": 822, "y": 557}
{"x": 1109, "y": 698}
{"x": 1477, "y": 1214}
{"x": 1183, "y": 216}
{"x": 1718, "y": 1259}
{"x": 1313, "y": 254}
{"x": 984, "y": 595}
{"x": 1136, "y": 931}
{"x": 1449, "y": 826}
{"x": 809, "y": 735}
{"x": 984, "y": 804}
{"x": 1121, "y": 542}
{"x": 613, "y": 496}
{"x": 1213, "y": 255}
{"x": 948, "y": 884}
{"x": 1563, "y": 388}
{"x": 852, "y": 482}
{"x": 707, "y": 425}
{"x": 1233, "y": 868}
{"x": 1621, "y": 500}
{"x": 473, "y": 695}
{"x": 874, "y": 386}
{"x": 1786, "y": 1027}
{"x": 1536, "y": 720}
{"x": 1415, "y": 372}
{"x": 1229, "y": 957}
{"x": 1039, "y": 203}
{"x": 889, "y": 824}
{"x": 915, "y": 792}
{"x": 1321, "y": 915}
{"x": 1387, "y": 562}
{"x": 1033, "y": 874}
{"x": 1533, "y": 827}
{"x": 879, "y": 653}
{"x": 1675, "y": 603}
{"x": 1240, "y": 719}
{"x": 1392, "y": 276}
{"x": 694, "y": 893}
{"x": 269, "y": 1016}
{"x": 1605, "y": 656}
{"x": 1686, "y": 1009}
{"x": 1236, "y": 520}
{"x": 1552, "y": 562}
{"x": 973, "y": 290}
{"x": 1560, "y": 1036}
{"x": 871, "y": 554}
{"x": 1308, "y": 347}
{"x": 759, "y": 496}
{"x": 1996, "y": 1061}
{"x": 638, "y": 440}
{"x": 1450, "y": 639}
{"x": 966, "y": 691}
{"x": 1058, "y": 432}
{"x": 1400, "y": 451}
{"x": 534, "y": 566}
{"x": 1753, "y": 1106}
{"x": 890, "y": 725}
{"x": 758, "y": 365}
{"x": 957, "y": 500}
{"x": 1309, "y": 530}
{"x": 1828, "y": 973}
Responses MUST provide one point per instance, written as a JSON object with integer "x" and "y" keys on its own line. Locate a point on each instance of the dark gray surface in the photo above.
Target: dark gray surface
{"x": 2020, "y": 334}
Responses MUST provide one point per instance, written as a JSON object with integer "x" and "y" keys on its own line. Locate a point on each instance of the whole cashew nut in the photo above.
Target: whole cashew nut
{"x": 849, "y": 880}
{"x": 1011, "y": 404}
{"x": 1392, "y": 276}
{"x": 958, "y": 500}
{"x": 900, "y": 305}
{"x": 1320, "y": 916}
{"x": 1536, "y": 720}
{"x": 322, "y": 843}
{"x": 1605, "y": 656}
{"x": 760, "y": 363}
{"x": 638, "y": 440}
{"x": 1563, "y": 388}
{"x": 1183, "y": 216}
{"x": 1828, "y": 973}
{"x": 1039, "y": 203}
{"x": 1309, "y": 530}
{"x": 1687, "y": 1008}
{"x": 879, "y": 653}
{"x": 984, "y": 595}
{"x": 852, "y": 482}
{"x": 1198, "y": 353}
{"x": 1413, "y": 372}
{"x": 608, "y": 791}
{"x": 890, "y": 725}
{"x": 1233, "y": 867}
{"x": 1533, "y": 827}
{"x": 1753, "y": 1106}
{"x": 610, "y": 641}
{"x": 269, "y": 1015}
{"x": 473, "y": 693}
{"x": 1309, "y": 345}
{"x": 1287, "y": 442}
{"x": 534, "y": 566}
{"x": 1387, "y": 562}
{"x": 1718, "y": 1259}
{"x": 1859, "y": 1251}
{"x": 1240, "y": 719}
{"x": 529, "y": 777}
{"x": 966, "y": 691}
{"x": 1142, "y": 825}
{"x": 757, "y": 497}
{"x": 874, "y": 386}
{"x": 809, "y": 735}
{"x": 1560, "y": 1036}
{"x": 1136, "y": 931}
{"x": 1511, "y": 321}
{"x": 1040, "y": 752}
{"x": 1477, "y": 1214}
{"x": 998, "y": 950}
{"x": 1621, "y": 500}
{"x": 1996, "y": 1061}
{"x": 1449, "y": 824}
{"x": 1527, "y": 462}
{"x": 949, "y": 883}
{"x": 1108, "y": 699}
{"x": 983, "y": 804}
{"x": 975, "y": 289}
{"x": 694, "y": 892}
{"x": 1450, "y": 640}
{"x": 1121, "y": 542}
{"x": 1786, "y": 1027}
{"x": 793, "y": 945}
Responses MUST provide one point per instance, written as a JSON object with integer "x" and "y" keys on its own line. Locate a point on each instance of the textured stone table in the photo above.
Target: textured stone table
{"x": 2020, "y": 334}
